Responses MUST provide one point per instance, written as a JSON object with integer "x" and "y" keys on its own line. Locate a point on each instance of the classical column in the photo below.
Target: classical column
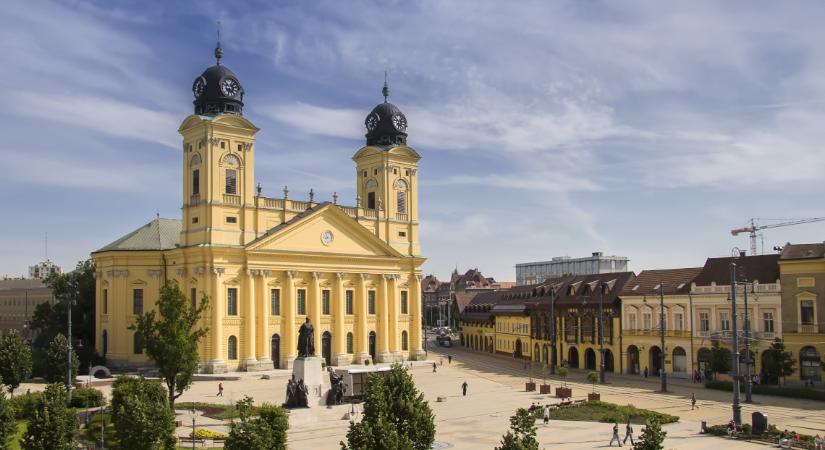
{"x": 262, "y": 330}
{"x": 361, "y": 321}
{"x": 339, "y": 338}
{"x": 218, "y": 364}
{"x": 249, "y": 362}
{"x": 315, "y": 310}
{"x": 383, "y": 350}
{"x": 416, "y": 349}
{"x": 392, "y": 316}
{"x": 288, "y": 320}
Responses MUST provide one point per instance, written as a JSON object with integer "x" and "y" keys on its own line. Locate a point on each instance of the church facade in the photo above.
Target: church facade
{"x": 268, "y": 264}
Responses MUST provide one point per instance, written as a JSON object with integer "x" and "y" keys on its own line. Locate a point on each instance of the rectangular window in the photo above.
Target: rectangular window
{"x": 403, "y": 302}
{"x": 371, "y": 200}
{"x": 724, "y": 321}
{"x": 631, "y": 321}
{"x": 646, "y": 320}
{"x": 370, "y": 302}
{"x": 806, "y": 312}
{"x": 231, "y": 219}
{"x": 302, "y": 301}
{"x": 678, "y": 322}
{"x": 402, "y": 234}
{"x": 196, "y": 182}
{"x": 232, "y": 301}
{"x": 402, "y": 202}
{"x": 349, "y": 295}
{"x": 275, "y": 302}
{"x": 194, "y": 220}
{"x": 137, "y": 302}
{"x": 105, "y": 301}
{"x": 231, "y": 181}
{"x": 325, "y": 302}
{"x": 767, "y": 322}
{"x": 194, "y": 295}
{"x": 704, "y": 321}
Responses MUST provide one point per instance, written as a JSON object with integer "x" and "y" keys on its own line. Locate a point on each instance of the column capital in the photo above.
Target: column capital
{"x": 364, "y": 276}
{"x": 316, "y": 275}
{"x": 340, "y": 275}
{"x": 264, "y": 272}
{"x": 291, "y": 273}
{"x": 418, "y": 277}
{"x": 390, "y": 276}
{"x": 218, "y": 270}
{"x": 200, "y": 270}
{"x": 181, "y": 272}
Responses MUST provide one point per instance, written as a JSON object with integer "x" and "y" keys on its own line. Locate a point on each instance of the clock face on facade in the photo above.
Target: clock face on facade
{"x": 372, "y": 122}
{"x": 327, "y": 237}
{"x": 230, "y": 87}
{"x": 198, "y": 87}
{"x": 399, "y": 122}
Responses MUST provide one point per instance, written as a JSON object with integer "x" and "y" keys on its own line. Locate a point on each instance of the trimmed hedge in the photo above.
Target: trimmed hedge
{"x": 23, "y": 406}
{"x": 607, "y": 413}
{"x": 80, "y": 396}
{"x": 803, "y": 393}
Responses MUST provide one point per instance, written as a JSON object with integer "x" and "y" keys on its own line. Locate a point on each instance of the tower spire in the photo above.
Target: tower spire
{"x": 386, "y": 91}
{"x": 218, "y": 49}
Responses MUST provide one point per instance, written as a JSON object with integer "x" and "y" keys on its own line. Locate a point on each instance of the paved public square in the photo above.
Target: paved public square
{"x": 496, "y": 389}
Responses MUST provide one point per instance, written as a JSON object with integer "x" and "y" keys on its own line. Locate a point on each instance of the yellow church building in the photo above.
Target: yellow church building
{"x": 267, "y": 264}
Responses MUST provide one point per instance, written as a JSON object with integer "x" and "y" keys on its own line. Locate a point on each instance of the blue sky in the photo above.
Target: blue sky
{"x": 640, "y": 128}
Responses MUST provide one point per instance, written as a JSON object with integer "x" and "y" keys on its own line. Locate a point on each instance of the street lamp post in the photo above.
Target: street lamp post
{"x": 662, "y": 333}
{"x": 601, "y": 331}
{"x": 737, "y": 408}
{"x": 553, "y": 330}
{"x": 73, "y": 294}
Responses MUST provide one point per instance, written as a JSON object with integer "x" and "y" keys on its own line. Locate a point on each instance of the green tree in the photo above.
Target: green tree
{"x": 170, "y": 337}
{"x": 563, "y": 372}
{"x": 50, "y": 319}
{"x": 593, "y": 378}
{"x": 720, "y": 358}
{"x": 54, "y": 370}
{"x": 265, "y": 432}
{"x": 652, "y": 437}
{"x": 52, "y": 425}
{"x": 778, "y": 362}
{"x": 141, "y": 415}
{"x": 396, "y": 416}
{"x": 522, "y": 433}
{"x": 8, "y": 426}
{"x": 15, "y": 360}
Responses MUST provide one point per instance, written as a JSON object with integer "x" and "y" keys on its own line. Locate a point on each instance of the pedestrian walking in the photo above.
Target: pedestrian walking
{"x": 645, "y": 371}
{"x": 441, "y": 361}
{"x": 615, "y": 435}
{"x": 692, "y": 401}
{"x": 546, "y": 414}
{"x": 449, "y": 359}
{"x": 628, "y": 432}
{"x": 434, "y": 366}
{"x": 220, "y": 390}
{"x": 464, "y": 388}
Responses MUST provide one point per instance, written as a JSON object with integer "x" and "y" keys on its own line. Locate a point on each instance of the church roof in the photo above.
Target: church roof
{"x": 159, "y": 234}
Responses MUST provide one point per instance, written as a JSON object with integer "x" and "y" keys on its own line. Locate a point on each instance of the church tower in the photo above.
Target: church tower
{"x": 218, "y": 162}
{"x": 387, "y": 178}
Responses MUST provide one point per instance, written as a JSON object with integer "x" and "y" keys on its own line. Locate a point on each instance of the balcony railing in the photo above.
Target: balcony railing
{"x": 194, "y": 199}
{"x": 300, "y": 206}
{"x": 808, "y": 329}
{"x": 371, "y": 213}
{"x": 656, "y": 333}
{"x": 401, "y": 216}
{"x": 350, "y": 210}
{"x": 231, "y": 199}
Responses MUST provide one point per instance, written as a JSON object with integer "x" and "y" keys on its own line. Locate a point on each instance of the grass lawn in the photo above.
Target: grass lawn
{"x": 213, "y": 410}
{"x": 22, "y": 426}
{"x": 607, "y": 412}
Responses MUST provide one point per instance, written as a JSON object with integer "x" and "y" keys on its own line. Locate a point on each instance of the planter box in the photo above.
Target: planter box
{"x": 544, "y": 389}
{"x": 530, "y": 387}
{"x": 562, "y": 392}
{"x": 593, "y": 396}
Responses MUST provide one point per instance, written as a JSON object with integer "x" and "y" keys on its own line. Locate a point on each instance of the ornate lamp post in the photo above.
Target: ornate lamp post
{"x": 662, "y": 333}
{"x": 73, "y": 295}
{"x": 553, "y": 330}
{"x": 737, "y": 407}
{"x": 602, "y": 286}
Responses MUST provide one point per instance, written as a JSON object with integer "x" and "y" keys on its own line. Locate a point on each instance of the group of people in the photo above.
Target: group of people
{"x": 628, "y": 434}
{"x": 441, "y": 362}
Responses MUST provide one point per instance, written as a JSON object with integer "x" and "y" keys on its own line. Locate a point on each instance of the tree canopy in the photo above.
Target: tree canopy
{"x": 720, "y": 358}
{"x": 778, "y": 362}
{"x": 265, "y": 432}
{"x": 54, "y": 370}
{"x": 141, "y": 415}
{"x": 52, "y": 425}
{"x": 652, "y": 437}
{"x": 522, "y": 433}
{"x": 8, "y": 426}
{"x": 15, "y": 360}
{"x": 170, "y": 336}
{"x": 396, "y": 416}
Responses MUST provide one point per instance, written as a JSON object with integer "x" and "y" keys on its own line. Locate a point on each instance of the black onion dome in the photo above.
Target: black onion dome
{"x": 217, "y": 90}
{"x": 386, "y": 124}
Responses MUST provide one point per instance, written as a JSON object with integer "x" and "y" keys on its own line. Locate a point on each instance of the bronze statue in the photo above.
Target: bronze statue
{"x": 306, "y": 340}
{"x": 297, "y": 394}
{"x": 336, "y": 391}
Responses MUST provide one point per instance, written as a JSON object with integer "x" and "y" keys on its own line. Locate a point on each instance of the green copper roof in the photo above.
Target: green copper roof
{"x": 159, "y": 234}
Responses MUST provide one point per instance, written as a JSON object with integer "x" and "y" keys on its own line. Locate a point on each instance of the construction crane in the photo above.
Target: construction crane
{"x": 754, "y": 227}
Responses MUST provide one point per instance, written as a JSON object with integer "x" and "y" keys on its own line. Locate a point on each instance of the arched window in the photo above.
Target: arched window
{"x": 137, "y": 344}
{"x": 404, "y": 344}
{"x": 349, "y": 342}
{"x": 195, "y": 161}
{"x": 232, "y": 162}
{"x": 232, "y": 348}
{"x": 402, "y": 202}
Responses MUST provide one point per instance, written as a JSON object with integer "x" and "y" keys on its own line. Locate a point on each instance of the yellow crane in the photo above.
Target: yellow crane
{"x": 754, "y": 227}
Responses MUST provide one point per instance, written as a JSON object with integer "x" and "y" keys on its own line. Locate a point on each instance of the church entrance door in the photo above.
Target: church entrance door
{"x": 372, "y": 346}
{"x": 326, "y": 347}
{"x": 275, "y": 349}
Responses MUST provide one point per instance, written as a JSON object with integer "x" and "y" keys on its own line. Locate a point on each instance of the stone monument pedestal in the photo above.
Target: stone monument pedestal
{"x": 308, "y": 368}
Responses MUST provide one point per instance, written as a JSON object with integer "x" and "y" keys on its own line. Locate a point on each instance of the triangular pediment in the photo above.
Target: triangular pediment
{"x": 326, "y": 229}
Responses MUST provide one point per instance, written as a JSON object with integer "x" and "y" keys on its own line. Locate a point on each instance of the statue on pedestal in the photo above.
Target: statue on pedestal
{"x": 297, "y": 394}
{"x": 306, "y": 340}
{"x": 336, "y": 390}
